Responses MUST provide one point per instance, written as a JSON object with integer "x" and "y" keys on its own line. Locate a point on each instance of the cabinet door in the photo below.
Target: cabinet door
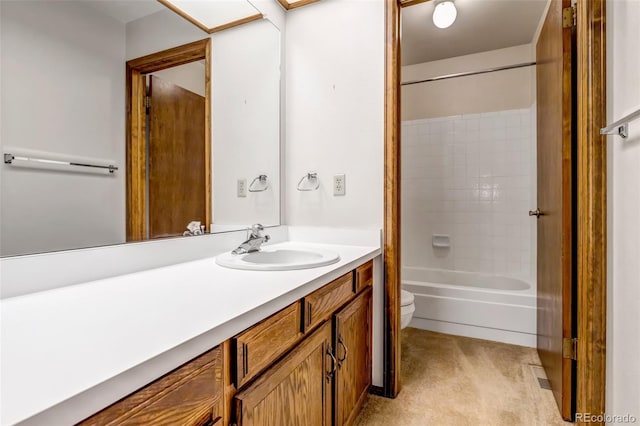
{"x": 296, "y": 390}
{"x": 352, "y": 348}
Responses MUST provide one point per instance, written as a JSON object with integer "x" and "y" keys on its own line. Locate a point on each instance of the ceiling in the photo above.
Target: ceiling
{"x": 481, "y": 25}
{"x": 208, "y": 14}
{"x": 126, "y": 10}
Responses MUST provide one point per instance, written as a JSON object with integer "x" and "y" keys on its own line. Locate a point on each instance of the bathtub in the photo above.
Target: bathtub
{"x": 471, "y": 304}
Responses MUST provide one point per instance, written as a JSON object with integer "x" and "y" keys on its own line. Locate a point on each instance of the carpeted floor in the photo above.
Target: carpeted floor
{"x": 452, "y": 380}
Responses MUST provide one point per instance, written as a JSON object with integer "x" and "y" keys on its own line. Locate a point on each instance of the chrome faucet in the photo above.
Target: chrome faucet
{"x": 254, "y": 241}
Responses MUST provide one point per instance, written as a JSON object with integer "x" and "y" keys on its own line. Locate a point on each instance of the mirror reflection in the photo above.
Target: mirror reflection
{"x": 123, "y": 121}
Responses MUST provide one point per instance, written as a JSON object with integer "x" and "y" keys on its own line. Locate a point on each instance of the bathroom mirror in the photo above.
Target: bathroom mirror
{"x": 208, "y": 126}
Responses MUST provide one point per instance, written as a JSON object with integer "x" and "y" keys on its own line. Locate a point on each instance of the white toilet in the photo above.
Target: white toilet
{"x": 407, "y": 308}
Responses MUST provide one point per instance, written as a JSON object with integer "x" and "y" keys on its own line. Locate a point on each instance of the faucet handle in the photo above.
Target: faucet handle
{"x": 256, "y": 229}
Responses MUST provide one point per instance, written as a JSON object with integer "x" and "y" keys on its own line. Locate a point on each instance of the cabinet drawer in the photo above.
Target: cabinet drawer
{"x": 364, "y": 275}
{"x": 320, "y": 304}
{"x": 257, "y": 347}
{"x": 190, "y": 396}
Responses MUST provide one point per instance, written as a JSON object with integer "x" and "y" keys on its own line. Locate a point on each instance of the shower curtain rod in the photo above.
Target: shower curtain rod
{"x": 465, "y": 74}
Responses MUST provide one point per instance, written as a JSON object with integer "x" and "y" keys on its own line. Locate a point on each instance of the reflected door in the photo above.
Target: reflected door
{"x": 556, "y": 106}
{"x": 176, "y": 159}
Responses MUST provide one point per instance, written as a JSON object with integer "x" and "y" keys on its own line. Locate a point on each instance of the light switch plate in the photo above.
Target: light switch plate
{"x": 339, "y": 185}
{"x": 242, "y": 187}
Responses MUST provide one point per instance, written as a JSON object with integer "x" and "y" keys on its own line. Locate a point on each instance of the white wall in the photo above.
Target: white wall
{"x": 623, "y": 310}
{"x": 188, "y": 76}
{"x": 496, "y": 91}
{"x": 246, "y": 123}
{"x": 468, "y": 177}
{"x": 159, "y": 31}
{"x": 335, "y": 106}
{"x": 334, "y": 123}
{"x": 62, "y": 92}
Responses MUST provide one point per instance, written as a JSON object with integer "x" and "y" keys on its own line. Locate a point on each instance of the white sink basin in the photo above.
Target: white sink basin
{"x": 279, "y": 258}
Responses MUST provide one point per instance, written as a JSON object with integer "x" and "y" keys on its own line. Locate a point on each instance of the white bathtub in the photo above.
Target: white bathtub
{"x": 471, "y": 304}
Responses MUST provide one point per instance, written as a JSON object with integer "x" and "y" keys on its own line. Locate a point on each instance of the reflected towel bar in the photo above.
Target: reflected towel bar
{"x": 10, "y": 158}
{"x": 620, "y": 127}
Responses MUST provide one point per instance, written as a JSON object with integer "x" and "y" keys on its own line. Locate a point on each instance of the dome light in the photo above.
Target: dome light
{"x": 444, "y": 14}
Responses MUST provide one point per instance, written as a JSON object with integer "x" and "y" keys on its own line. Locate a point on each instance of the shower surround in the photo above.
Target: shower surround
{"x": 471, "y": 177}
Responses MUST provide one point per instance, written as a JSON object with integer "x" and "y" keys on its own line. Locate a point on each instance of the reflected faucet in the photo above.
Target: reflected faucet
{"x": 254, "y": 241}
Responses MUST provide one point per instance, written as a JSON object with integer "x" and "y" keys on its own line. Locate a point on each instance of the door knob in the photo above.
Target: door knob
{"x": 537, "y": 213}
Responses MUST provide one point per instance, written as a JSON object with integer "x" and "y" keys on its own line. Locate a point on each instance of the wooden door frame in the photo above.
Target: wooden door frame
{"x": 591, "y": 188}
{"x": 136, "y": 71}
{"x": 391, "y": 233}
{"x": 592, "y": 208}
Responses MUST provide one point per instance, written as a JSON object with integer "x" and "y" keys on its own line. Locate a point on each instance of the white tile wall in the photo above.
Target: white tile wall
{"x": 471, "y": 177}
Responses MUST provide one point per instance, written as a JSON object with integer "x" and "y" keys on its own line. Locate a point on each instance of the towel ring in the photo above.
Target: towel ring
{"x": 309, "y": 176}
{"x": 263, "y": 180}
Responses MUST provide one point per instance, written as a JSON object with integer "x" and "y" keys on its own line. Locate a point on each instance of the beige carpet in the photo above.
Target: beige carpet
{"x": 452, "y": 380}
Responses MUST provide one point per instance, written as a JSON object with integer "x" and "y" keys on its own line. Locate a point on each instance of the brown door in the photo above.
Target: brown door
{"x": 295, "y": 391}
{"x": 555, "y": 104}
{"x": 176, "y": 153}
{"x": 352, "y": 347}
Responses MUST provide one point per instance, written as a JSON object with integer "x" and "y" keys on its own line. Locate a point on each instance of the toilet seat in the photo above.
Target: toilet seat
{"x": 406, "y": 298}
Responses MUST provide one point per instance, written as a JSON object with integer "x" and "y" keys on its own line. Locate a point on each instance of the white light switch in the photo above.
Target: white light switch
{"x": 339, "y": 185}
{"x": 242, "y": 187}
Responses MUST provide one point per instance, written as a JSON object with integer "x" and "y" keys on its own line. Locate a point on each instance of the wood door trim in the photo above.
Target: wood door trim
{"x": 208, "y": 119}
{"x": 136, "y": 226}
{"x": 407, "y": 3}
{"x": 236, "y": 23}
{"x": 135, "y": 128}
{"x": 203, "y": 27}
{"x": 592, "y": 208}
{"x": 289, "y": 6}
{"x": 391, "y": 231}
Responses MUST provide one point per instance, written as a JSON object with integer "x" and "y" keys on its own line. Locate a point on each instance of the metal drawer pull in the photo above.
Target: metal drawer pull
{"x": 346, "y": 353}
{"x": 333, "y": 364}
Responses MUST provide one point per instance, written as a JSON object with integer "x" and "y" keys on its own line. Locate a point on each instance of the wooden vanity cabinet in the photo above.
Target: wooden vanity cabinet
{"x": 322, "y": 303}
{"x": 352, "y": 349}
{"x": 325, "y": 379}
{"x": 294, "y": 392}
{"x": 306, "y": 365}
{"x": 364, "y": 276}
{"x": 259, "y": 346}
{"x": 191, "y": 395}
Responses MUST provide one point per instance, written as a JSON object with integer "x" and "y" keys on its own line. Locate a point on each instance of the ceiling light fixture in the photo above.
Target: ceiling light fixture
{"x": 444, "y": 14}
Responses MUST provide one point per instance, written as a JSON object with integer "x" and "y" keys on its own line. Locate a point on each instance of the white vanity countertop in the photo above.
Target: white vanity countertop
{"x": 69, "y": 352}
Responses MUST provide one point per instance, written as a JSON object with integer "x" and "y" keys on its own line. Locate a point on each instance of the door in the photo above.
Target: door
{"x": 556, "y": 178}
{"x": 176, "y": 156}
{"x": 295, "y": 391}
{"x": 352, "y": 346}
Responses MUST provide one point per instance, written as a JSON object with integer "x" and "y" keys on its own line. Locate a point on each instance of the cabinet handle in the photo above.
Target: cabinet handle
{"x": 346, "y": 352}
{"x": 309, "y": 306}
{"x": 245, "y": 359}
{"x": 333, "y": 364}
